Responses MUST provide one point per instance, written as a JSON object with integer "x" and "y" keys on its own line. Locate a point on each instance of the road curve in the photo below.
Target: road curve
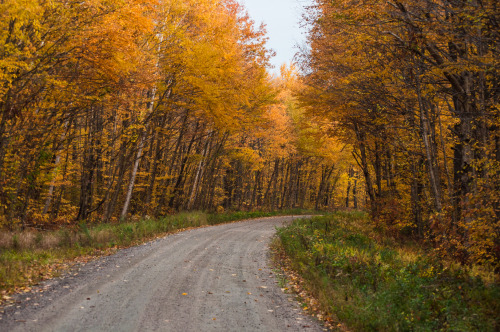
{"x": 208, "y": 279}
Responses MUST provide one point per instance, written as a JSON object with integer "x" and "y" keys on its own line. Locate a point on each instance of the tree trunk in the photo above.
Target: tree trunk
{"x": 347, "y": 194}
{"x": 355, "y": 193}
{"x": 178, "y": 190}
{"x": 364, "y": 165}
{"x": 142, "y": 140}
{"x": 130, "y": 188}
{"x": 199, "y": 174}
{"x": 431, "y": 161}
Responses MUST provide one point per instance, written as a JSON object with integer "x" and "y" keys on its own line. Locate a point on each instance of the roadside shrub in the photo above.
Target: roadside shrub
{"x": 372, "y": 286}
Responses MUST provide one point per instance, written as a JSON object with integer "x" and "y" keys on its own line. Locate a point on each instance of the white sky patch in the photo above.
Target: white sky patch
{"x": 282, "y": 19}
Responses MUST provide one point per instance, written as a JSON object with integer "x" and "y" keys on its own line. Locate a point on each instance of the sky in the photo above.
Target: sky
{"x": 282, "y": 22}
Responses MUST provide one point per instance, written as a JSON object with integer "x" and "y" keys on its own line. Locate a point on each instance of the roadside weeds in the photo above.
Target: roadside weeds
{"x": 292, "y": 282}
{"x": 362, "y": 281}
{"x": 31, "y": 256}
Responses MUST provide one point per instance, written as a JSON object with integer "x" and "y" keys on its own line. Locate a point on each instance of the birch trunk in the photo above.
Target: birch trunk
{"x": 132, "y": 178}
{"x": 138, "y": 158}
{"x": 199, "y": 172}
{"x": 431, "y": 162}
{"x": 48, "y": 200}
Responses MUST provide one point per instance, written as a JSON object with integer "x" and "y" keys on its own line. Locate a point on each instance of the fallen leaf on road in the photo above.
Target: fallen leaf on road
{"x": 184, "y": 294}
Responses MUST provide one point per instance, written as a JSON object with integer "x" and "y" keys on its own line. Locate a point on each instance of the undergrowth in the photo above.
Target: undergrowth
{"x": 378, "y": 285}
{"x": 26, "y": 257}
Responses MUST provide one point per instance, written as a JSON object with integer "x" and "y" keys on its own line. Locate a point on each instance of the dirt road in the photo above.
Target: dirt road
{"x": 209, "y": 279}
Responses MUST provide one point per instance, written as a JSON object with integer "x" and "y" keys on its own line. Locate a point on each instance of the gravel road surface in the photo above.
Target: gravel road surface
{"x": 208, "y": 279}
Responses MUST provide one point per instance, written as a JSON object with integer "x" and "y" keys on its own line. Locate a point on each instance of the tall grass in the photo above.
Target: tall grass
{"x": 30, "y": 256}
{"x": 374, "y": 286}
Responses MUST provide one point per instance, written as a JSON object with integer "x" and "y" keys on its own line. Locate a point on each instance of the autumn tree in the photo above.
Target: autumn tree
{"x": 112, "y": 109}
{"x": 411, "y": 85}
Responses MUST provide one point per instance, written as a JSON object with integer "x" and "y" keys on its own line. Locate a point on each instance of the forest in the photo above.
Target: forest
{"x": 413, "y": 87}
{"x": 112, "y": 109}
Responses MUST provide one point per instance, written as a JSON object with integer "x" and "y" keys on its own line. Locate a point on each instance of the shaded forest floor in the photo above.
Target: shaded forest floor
{"x": 357, "y": 279}
{"x": 30, "y": 256}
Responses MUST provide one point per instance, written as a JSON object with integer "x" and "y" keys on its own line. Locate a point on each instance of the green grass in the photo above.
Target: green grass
{"x": 380, "y": 286}
{"x": 30, "y": 256}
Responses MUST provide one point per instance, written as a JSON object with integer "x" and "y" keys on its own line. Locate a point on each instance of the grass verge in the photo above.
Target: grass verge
{"x": 377, "y": 285}
{"x": 30, "y": 256}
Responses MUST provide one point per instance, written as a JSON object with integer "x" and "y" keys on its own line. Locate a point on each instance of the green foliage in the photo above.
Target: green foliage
{"x": 377, "y": 287}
